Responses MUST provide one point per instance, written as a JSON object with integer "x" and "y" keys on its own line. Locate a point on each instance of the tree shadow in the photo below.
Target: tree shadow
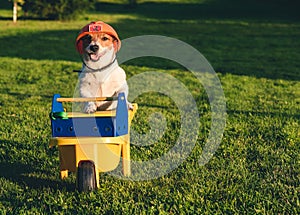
{"x": 272, "y": 10}
{"x": 276, "y": 10}
{"x": 6, "y": 5}
{"x": 50, "y": 45}
{"x": 21, "y": 96}
{"x": 215, "y": 44}
{"x": 3, "y": 18}
{"x": 60, "y": 45}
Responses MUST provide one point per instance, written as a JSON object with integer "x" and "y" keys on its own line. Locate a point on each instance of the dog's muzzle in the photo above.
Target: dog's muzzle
{"x": 96, "y": 57}
{"x": 94, "y": 48}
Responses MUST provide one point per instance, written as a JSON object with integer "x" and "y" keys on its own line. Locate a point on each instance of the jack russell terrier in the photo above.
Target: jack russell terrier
{"x": 101, "y": 75}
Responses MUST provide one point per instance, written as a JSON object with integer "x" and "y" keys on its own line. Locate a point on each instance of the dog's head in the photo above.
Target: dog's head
{"x": 98, "y": 43}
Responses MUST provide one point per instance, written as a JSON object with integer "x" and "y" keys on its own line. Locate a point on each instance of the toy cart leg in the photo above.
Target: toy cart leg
{"x": 64, "y": 174}
{"x": 97, "y": 179}
{"x": 126, "y": 158}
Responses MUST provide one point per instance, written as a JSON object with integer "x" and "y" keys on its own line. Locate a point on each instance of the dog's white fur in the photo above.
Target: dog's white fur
{"x": 101, "y": 75}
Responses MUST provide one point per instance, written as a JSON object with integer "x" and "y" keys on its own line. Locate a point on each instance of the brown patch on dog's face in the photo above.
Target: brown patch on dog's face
{"x": 95, "y": 46}
{"x": 102, "y": 39}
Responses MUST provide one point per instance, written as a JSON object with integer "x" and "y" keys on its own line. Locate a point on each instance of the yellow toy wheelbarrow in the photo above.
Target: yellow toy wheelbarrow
{"x": 91, "y": 143}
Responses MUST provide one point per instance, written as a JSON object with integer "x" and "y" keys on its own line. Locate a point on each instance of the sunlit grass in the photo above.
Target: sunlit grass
{"x": 256, "y": 168}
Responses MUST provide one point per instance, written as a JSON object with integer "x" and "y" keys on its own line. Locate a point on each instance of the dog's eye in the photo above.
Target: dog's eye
{"x": 87, "y": 38}
{"x": 104, "y": 38}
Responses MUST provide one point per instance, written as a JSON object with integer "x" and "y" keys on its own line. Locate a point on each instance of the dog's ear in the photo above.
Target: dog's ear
{"x": 116, "y": 44}
{"x": 79, "y": 46}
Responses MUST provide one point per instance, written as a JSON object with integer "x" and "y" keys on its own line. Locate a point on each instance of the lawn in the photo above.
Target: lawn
{"x": 254, "y": 49}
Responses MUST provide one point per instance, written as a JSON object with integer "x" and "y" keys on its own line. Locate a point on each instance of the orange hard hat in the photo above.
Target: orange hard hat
{"x": 94, "y": 28}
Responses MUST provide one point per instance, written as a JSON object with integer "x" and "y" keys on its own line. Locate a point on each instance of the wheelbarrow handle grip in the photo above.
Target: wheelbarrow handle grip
{"x": 94, "y": 99}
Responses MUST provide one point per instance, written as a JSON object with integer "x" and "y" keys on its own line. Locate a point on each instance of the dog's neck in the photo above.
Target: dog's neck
{"x": 87, "y": 68}
{"x": 103, "y": 72}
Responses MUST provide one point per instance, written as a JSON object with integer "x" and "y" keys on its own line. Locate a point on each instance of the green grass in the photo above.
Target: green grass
{"x": 256, "y": 169}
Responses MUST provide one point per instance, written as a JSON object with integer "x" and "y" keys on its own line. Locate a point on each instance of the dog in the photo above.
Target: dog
{"x": 101, "y": 75}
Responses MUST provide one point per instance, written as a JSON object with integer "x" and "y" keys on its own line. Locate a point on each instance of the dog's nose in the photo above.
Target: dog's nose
{"x": 94, "y": 48}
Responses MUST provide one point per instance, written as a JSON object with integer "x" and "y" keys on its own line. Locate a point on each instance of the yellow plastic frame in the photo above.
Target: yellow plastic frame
{"x": 105, "y": 152}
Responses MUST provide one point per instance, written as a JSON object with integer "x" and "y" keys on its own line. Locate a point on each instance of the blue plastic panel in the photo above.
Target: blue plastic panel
{"x": 83, "y": 127}
{"x": 56, "y": 106}
{"x": 121, "y": 125}
{"x": 90, "y": 126}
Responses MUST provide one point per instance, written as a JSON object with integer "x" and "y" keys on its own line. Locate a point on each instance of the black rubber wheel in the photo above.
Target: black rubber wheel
{"x": 86, "y": 176}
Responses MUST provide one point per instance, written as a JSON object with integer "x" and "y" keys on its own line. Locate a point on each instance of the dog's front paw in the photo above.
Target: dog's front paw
{"x": 90, "y": 107}
{"x": 130, "y": 106}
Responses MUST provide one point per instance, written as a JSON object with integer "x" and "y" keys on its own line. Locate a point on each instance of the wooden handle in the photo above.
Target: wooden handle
{"x": 95, "y": 99}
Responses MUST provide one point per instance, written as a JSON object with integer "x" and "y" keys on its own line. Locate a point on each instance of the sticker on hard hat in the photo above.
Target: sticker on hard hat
{"x": 95, "y": 28}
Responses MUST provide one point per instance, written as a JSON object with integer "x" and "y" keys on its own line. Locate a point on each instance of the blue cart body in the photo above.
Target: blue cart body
{"x": 90, "y": 125}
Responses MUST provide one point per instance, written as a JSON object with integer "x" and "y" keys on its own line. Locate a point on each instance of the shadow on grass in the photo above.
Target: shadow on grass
{"x": 216, "y": 46}
{"x": 5, "y": 18}
{"x": 279, "y": 114}
{"x": 276, "y": 10}
{"x": 6, "y": 5}
{"x": 21, "y": 96}
{"x": 44, "y": 45}
{"x": 30, "y": 175}
{"x": 21, "y": 174}
{"x": 234, "y": 48}
{"x": 271, "y": 10}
